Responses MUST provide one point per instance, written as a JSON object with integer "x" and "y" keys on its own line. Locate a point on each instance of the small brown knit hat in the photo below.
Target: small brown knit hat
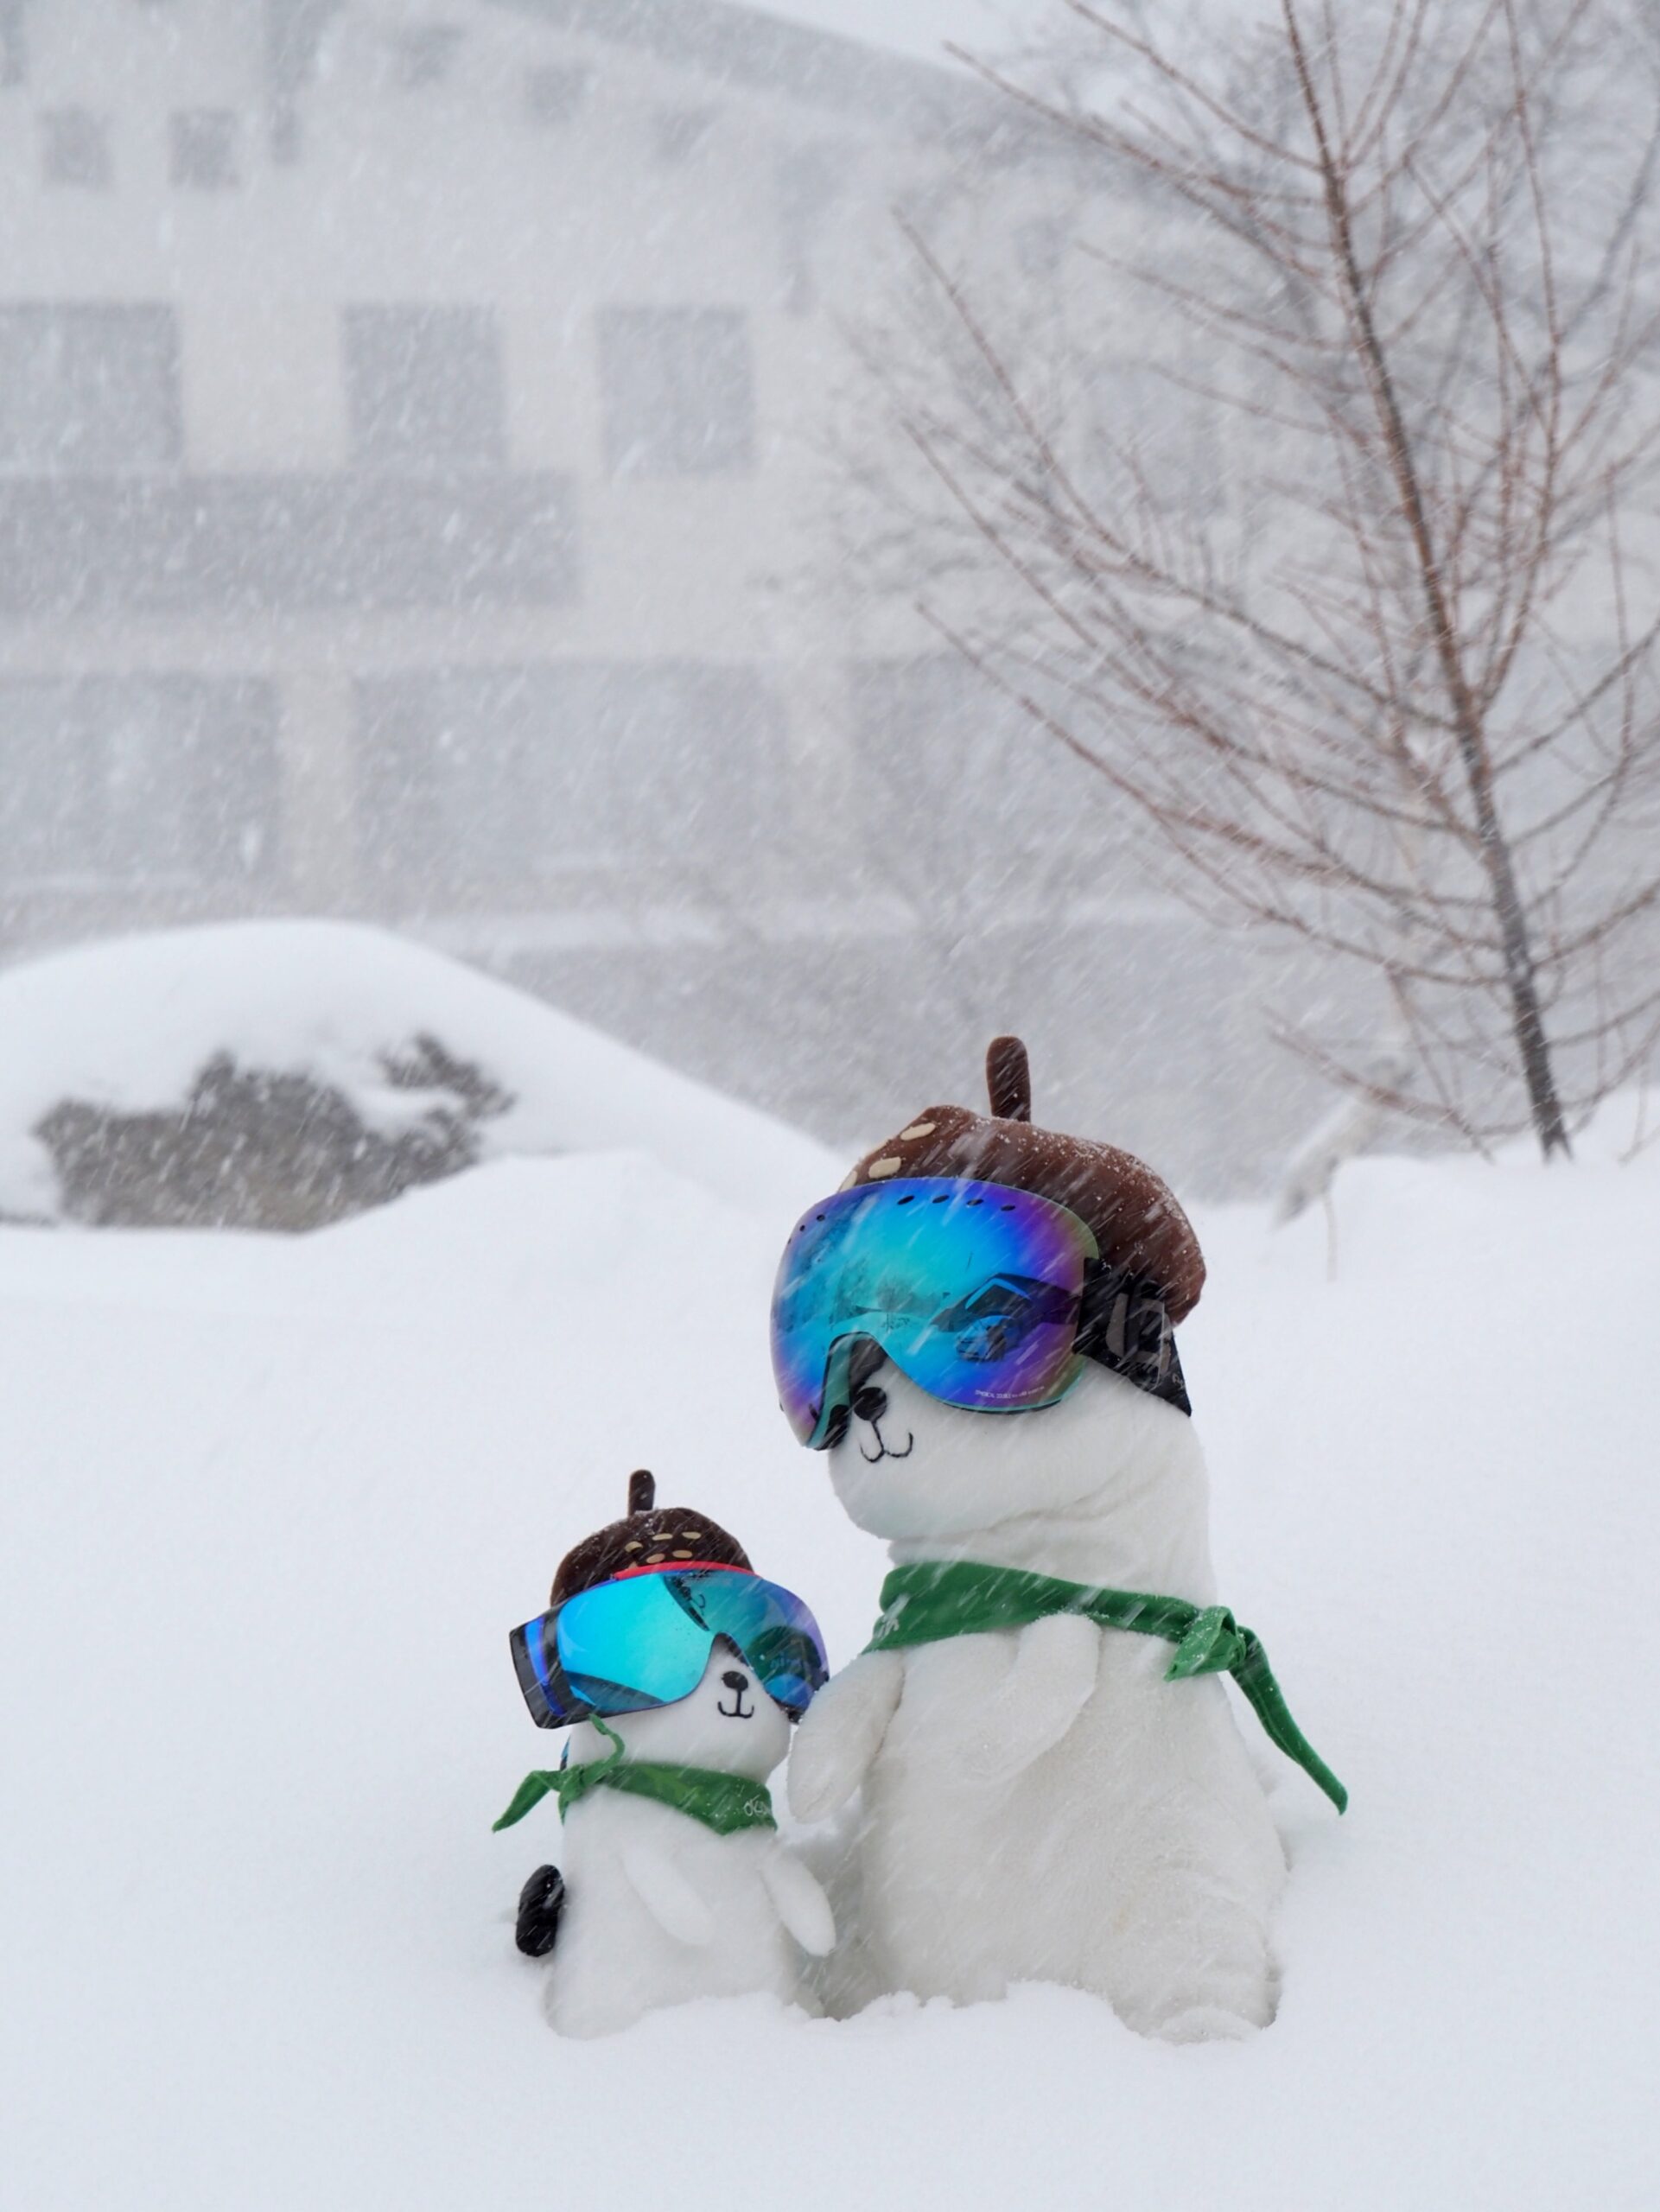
{"x": 652, "y": 1535}
{"x": 1137, "y": 1222}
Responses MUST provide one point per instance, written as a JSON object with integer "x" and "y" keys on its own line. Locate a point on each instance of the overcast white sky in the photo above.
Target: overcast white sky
{"x": 916, "y": 27}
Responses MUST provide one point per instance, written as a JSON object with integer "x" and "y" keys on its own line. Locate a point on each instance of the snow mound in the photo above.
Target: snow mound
{"x": 327, "y": 1048}
{"x": 271, "y": 1504}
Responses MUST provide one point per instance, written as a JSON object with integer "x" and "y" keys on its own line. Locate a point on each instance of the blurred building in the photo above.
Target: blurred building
{"x": 409, "y": 501}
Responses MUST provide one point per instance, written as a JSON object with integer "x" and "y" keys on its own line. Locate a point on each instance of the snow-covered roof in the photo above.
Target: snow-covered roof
{"x": 756, "y": 48}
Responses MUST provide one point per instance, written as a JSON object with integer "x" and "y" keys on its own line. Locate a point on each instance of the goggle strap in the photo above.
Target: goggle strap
{"x": 1124, "y": 1325}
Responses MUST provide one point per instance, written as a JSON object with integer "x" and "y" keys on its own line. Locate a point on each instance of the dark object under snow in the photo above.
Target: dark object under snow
{"x": 540, "y": 1904}
{"x": 652, "y": 1535}
{"x": 266, "y": 1148}
{"x": 1137, "y": 1222}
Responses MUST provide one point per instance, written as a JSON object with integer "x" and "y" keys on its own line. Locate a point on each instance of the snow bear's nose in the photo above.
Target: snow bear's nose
{"x": 870, "y": 1403}
{"x": 735, "y": 1680}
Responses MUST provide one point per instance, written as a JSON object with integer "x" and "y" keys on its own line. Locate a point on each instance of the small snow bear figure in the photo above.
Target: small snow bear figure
{"x": 1054, "y": 1785}
{"x": 678, "y": 1670}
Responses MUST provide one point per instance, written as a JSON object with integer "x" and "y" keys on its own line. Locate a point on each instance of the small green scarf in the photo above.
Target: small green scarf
{"x": 724, "y": 1803}
{"x": 938, "y": 1599}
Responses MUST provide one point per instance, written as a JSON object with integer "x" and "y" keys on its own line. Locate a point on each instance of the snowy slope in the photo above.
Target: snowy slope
{"x": 270, "y": 1506}
{"x": 131, "y": 1022}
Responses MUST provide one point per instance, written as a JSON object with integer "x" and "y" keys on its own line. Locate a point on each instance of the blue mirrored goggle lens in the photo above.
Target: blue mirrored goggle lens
{"x": 776, "y": 1633}
{"x": 625, "y": 1645}
{"x": 645, "y": 1641}
{"x": 970, "y": 1288}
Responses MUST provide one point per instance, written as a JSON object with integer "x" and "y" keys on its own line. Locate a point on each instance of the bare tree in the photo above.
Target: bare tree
{"x": 1394, "y": 696}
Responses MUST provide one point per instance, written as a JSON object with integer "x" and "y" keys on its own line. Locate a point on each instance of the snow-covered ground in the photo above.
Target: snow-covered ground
{"x": 271, "y": 1506}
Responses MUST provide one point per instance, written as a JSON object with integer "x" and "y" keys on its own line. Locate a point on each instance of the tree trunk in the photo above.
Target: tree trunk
{"x": 1521, "y": 977}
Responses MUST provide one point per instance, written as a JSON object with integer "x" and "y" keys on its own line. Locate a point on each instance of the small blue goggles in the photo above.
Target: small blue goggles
{"x": 643, "y": 1639}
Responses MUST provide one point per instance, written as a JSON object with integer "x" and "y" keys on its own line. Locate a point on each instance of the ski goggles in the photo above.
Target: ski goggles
{"x": 644, "y": 1639}
{"x": 973, "y": 1290}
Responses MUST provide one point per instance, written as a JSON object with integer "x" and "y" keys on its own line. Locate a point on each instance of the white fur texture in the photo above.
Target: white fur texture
{"x": 1040, "y": 1805}
{"x": 659, "y": 1908}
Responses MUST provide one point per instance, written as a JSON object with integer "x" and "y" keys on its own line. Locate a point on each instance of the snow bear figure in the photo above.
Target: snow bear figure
{"x": 660, "y": 1909}
{"x": 1042, "y": 1804}
{"x": 977, "y": 1330}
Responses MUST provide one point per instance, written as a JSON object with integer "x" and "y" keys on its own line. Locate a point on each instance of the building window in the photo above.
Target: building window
{"x": 424, "y": 389}
{"x": 1040, "y": 247}
{"x": 969, "y": 790}
{"x": 679, "y": 391}
{"x": 75, "y": 148}
{"x": 138, "y": 779}
{"x": 1158, "y": 421}
{"x": 496, "y": 778}
{"x": 810, "y": 178}
{"x": 678, "y": 132}
{"x": 204, "y": 149}
{"x": 426, "y": 53}
{"x": 555, "y": 94}
{"x": 295, "y": 31}
{"x": 88, "y": 389}
{"x": 14, "y": 45}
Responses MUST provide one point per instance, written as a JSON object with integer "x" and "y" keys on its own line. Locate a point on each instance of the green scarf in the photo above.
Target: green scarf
{"x": 938, "y": 1599}
{"x": 724, "y": 1803}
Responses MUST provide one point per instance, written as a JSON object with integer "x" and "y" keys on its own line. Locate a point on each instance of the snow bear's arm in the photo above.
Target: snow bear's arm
{"x": 801, "y": 1904}
{"x": 1047, "y": 1687}
{"x": 666, "y": 1894}
{"x": 842, "y": 1731}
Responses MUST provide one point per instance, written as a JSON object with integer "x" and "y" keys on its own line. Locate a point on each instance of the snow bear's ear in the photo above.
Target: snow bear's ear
{"x": 1009, "y": 1079}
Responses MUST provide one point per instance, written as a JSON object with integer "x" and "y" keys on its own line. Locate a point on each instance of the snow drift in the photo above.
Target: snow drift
{"x": 276, "y": 1073}
{"x": 272, "y": 1506}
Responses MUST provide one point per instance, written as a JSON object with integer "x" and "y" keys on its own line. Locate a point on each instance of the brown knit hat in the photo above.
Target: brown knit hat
{"x": 652, "y": 1535}
{"x": 1137, "y": 1224}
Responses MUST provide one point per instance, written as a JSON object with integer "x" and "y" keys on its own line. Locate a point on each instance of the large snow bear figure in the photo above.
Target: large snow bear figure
{"x": 1040, "y": 1801}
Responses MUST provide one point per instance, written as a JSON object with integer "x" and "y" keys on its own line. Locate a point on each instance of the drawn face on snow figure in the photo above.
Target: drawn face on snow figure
{"x": 910, "y": 1469}
{"x": 728, "y": 1724}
